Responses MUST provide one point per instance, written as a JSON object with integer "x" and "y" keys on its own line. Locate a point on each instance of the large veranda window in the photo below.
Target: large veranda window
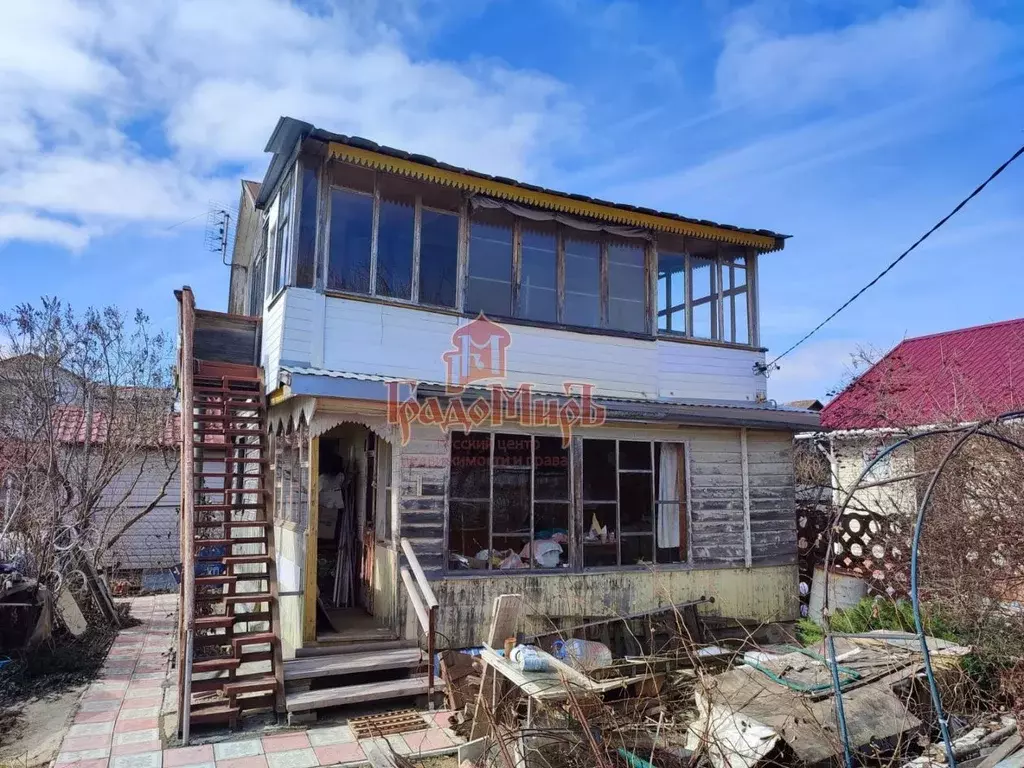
{"x": 634, "y": 503}
{"x": 703, "y": 292}
{"x": 552, "y": 273}
{"x": 389, "y": 238}
{"x": 511, "y": 503}
{"x": 508, "y": 502}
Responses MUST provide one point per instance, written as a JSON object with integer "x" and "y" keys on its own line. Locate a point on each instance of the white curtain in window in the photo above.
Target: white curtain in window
{"x": 668, "y": 490}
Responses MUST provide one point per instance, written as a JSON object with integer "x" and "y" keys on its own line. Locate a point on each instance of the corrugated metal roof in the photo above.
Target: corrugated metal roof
{"x": 958, "y": 376}
{"x": 289, "y": 130}
{"x": 764, "y": 413}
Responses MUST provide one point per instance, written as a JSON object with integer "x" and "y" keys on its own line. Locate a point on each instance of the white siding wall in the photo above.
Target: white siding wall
{"x": 273, "y": 326}
{"x": 365, "y": 337}
{"x": 153, "y": 541}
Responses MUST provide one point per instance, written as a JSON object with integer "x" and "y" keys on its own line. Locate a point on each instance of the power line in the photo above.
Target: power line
{"x": 767, "y": 368}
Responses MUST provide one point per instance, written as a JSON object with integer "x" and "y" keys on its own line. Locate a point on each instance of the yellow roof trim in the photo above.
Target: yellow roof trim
{"x": 449, "y": 178}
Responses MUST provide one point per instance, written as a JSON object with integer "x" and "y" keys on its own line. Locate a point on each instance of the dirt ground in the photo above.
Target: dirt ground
{"x": 39, "y": 690}
{"x": 31, "y": 730}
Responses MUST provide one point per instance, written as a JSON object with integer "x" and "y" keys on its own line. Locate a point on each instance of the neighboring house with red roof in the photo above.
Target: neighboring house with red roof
{"x": 131, "y": 458}
{"x": 948, "y": 378}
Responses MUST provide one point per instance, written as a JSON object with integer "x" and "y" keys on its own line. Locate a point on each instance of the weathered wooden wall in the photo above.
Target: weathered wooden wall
{"x": 763, "y": 593}
{"x": 717, "y": 499}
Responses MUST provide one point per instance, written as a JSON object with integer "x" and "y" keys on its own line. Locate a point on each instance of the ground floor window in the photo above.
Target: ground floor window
{"x": 513, "y": 505}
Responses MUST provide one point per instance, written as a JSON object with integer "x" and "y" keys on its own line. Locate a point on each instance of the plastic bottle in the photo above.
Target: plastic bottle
{"x": 582, "y": 654}
{"x": 527, "y": 659}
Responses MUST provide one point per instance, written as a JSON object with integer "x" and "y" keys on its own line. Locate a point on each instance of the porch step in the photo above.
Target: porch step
{"x": 356, "y": 694}
{"x": 215, "y": 622}
{"x": 352, "y": 663}
{"x": 336, "y": 649}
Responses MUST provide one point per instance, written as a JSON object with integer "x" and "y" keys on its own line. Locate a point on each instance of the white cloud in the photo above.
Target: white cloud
{"x": 16, "y": 225}
{"x": 932, "y": 45}
{"x": 142, "y": 112}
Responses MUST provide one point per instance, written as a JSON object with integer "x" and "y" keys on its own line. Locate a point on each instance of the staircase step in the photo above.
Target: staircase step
{"x": 246, "y": 559}
{"x": 220, "y": 713}
{"x": 265, "y": 683}
{"x": 215, "y": 622}
{"x": 232, "y": 523}
{"x": 259, "y": 638}
{"x": 253, "y": 475}
{"x": 352, "y": 663}
{"x": 215, "y": 665}
{"x": 248, "y": 597}
{"x": 225, "y": 507}
{"x": 355, "y": 694}
{"x": 228, "y": 542}
{"x": 204, "y": 581}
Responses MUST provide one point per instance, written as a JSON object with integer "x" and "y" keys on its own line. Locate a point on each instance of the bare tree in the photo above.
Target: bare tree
{"x": 86, "y": 412}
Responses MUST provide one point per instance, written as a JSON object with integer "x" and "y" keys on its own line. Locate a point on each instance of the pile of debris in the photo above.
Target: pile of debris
{"x": 667, "y": 690}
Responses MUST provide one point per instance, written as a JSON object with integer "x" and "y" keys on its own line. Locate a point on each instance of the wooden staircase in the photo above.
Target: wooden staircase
{"x": 235, "y": 663}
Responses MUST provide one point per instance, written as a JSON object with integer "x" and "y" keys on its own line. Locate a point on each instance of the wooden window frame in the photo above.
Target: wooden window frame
{"x": 577, "y": 525}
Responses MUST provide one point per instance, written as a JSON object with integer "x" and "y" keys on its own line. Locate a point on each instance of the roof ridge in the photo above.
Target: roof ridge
{"x": 968, "y": 329}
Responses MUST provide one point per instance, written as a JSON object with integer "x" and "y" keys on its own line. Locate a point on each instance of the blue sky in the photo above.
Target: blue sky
{"x": 852, "y": 125}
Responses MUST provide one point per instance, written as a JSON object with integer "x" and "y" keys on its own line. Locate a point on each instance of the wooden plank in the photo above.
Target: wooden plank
{"x": 351, "y": 663}
{"x": 355, "y": 694}
{"x": 745, "y": 462}
{"x": 313, "y": 495}
{"x": 505, "y": 615}
{"x": 1001, "y": 752}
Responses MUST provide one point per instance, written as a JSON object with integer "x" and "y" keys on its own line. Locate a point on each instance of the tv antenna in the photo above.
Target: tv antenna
{"x": 218, "y": 222}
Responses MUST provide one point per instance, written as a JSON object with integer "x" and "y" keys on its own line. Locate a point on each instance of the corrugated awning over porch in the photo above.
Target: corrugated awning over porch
{"x": 318, "y": 382}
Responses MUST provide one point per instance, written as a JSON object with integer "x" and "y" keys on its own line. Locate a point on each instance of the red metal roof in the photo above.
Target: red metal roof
{"x": 953, "y": 377}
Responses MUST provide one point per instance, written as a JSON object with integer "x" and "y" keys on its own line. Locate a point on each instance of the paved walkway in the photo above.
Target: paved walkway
{"x": 118, "y": 721}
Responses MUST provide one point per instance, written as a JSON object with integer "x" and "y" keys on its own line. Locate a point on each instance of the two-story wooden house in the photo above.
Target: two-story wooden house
{"x": 501, "y": 388}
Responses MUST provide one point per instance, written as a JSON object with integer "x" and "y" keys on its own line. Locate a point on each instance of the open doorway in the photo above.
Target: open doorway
{"x": 353, "y": 520}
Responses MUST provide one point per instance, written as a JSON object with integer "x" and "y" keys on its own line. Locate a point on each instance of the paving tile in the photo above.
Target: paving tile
{"x": 332, "y": 754}
{"x": 190, "y": 756}
{"x": 397, "y": 743}
{"x": 141, "y": 702}
{"x": 252, "y": 761}
{"x": 322, "y": 737}
{"x": 285, "y": 742}
{"x": 141, "y": 760}
{"x": 138, "y": 724}
{"x": 442, "y": 719}
{"x": 78, "y": 743}
{"x": 100, "y": 705}
{"x": 231, "y": 749}
{"x": 143, "y": 692}
{"x": 102, "y": 716}
{"x": 135, "y": 712}
{"x": 135, "y": 737}
{"x": 293, "y": 758}
{"x": 83, "y": 754}
{"x": 428, "y": 741}
{"x": 90, "y": 729}
{"x": 100, "y": 762}
{"x": 135, "y": 747}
